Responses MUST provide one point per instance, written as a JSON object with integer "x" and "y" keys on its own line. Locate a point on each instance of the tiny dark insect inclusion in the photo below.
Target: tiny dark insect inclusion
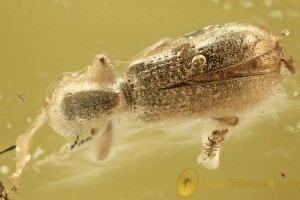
{"x": 217, "y": 72}
{"x": 21, "y": 98}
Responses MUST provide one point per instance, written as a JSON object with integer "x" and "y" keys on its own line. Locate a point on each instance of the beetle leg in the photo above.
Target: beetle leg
{"x": 9, "y": 149}
{"x": 78, "y": 143}
{"x": 289, "y": 62}
{"x": 212, "y": 146}
{"x": 214, "y": 143}
{"x": 228, "y": 121}
{"x": 105, "y": 142}
{"x": 211, "y": 151}
{"x": 75, "y": 143}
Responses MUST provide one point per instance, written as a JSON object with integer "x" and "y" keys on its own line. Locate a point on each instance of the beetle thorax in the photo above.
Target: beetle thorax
{"x": 85, "y": 105}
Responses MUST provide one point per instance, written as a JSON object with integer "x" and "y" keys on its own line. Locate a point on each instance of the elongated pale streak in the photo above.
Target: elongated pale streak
{"x": 106, "y": 142}
{"x": 22, "y": 144}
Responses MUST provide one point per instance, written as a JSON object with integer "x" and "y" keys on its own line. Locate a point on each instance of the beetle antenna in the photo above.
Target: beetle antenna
{"x": 8, "y": 149}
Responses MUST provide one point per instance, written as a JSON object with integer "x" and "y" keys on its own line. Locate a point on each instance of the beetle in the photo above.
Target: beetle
{"x": 216, "y": 72}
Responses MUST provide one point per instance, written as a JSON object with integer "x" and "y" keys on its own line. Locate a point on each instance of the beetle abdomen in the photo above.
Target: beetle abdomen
{"x": 238, "y": 62}
{"x": 221, "y": 47}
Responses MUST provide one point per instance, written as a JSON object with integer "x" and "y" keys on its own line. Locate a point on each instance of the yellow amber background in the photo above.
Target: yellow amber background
{"x": 40, "y": 39}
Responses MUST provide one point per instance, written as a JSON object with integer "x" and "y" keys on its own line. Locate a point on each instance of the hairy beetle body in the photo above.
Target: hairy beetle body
{"x": 215, "y": 72}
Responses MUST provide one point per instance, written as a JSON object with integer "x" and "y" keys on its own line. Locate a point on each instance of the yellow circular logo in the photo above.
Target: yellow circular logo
{"x": 187, "y": 182}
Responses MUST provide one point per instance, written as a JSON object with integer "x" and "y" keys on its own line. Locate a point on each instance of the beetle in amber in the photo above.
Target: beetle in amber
{"x": 217, "y": 72}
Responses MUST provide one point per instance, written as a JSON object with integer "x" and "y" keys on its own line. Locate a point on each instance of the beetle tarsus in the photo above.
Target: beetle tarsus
{"x": 74, "y": 143}
{"x": 289, "y": 62}
{"x": 229, "y": 121}
{"x": 211, "y": 150}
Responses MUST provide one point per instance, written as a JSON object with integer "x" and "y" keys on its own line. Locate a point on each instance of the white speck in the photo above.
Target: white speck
{"x": 285, "y": 32}
{"x": 27, "y": 158}
{"x": 1, "y": 97}
{"x": 4, "y": 169}
{"x": 8, "y": 125}
{"x": 28, "y": 119}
